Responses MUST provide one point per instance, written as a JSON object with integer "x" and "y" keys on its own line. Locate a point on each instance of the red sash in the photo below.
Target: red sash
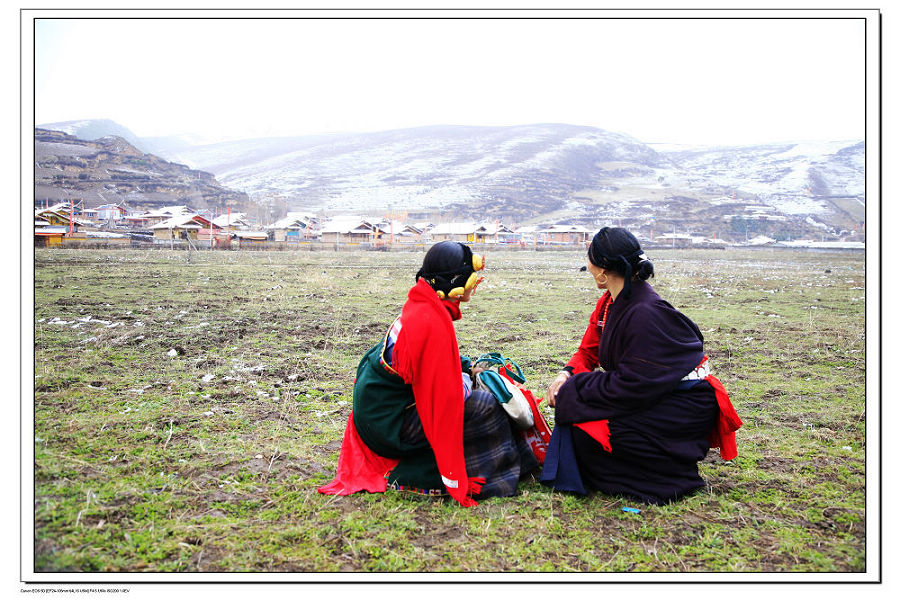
{"x": 722, "y": 435}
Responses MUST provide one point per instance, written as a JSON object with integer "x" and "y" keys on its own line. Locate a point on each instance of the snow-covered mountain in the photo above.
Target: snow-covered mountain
{"x": 795, "y": 178}
{"x": 430, "y": 168}
{"x": 546, "y": 173}
{"x": 94, "y": 129}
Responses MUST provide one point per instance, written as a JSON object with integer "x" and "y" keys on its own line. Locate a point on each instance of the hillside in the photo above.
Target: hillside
{"x": 824, "y": 179}
{"x": 112, "y": 170}
{"x": 94, "y": 129}
{"x": 502, "y": 172}
{"x": 548, "y": 173}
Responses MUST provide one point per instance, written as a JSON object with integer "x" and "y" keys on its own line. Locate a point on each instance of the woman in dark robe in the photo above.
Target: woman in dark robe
{"x": 639, "y": 426}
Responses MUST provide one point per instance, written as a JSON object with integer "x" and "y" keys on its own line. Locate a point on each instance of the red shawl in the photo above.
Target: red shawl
{"x": 426, "y": 356}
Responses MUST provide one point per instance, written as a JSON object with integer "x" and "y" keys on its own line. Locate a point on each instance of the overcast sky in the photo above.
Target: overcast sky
{"x": 691, "y": 81}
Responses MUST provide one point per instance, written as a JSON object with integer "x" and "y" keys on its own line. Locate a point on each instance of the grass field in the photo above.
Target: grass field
{"x": 187, "y": 406}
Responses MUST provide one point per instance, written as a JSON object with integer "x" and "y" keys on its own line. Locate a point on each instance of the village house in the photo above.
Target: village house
{"x": 148, "y": 219}
{"x": 243, "y": 238}
{"x": 232, "y": 222}
{"x": 214, "y": 237}
{"x": 410, "y": 234}
{"x": 49, "y": 235}
{"x": 494, "y": 233}
{"x": 360, "y": 230}
{"x": 333, "y": 231}
{"x": 564, "y": 234}
{"x": 675, "y": 240}
{"x": 527, "y": 233}
{"x": 59, "y": 218}
{"x": 424, "y": 227}
{"x": 365, "y": 232}
{"x": 181, "y": 227}
{"x": 90, "y": 214}
{"x": 293, "y": 229}
{"x": 52, "y": 224}
{"x": 106, "y": 213}
{"x": 454, "y": 232}
{"x": 388, "y": 230}
{"x": 137, "y": 220}
{"x": 349, "y": 230}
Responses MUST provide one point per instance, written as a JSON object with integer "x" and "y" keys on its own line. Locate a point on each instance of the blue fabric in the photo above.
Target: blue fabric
{"x": 560, "y": 466}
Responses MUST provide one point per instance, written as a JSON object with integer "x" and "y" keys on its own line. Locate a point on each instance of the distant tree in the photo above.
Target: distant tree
{"x": 742, "y": 225}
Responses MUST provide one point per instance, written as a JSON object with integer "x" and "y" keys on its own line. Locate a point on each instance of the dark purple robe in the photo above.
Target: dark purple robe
{"x": 658, "y": 424}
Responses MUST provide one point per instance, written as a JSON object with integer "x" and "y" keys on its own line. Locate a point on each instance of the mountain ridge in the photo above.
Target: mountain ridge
{"x": 111, "y": 170}
{"x": 548, "y": 172}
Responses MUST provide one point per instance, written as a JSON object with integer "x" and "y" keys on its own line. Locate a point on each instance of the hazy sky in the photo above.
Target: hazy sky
{"x": 712, "y": 81}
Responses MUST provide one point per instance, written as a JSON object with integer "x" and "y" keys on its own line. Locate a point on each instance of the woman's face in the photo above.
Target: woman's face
{"x": 599, "y": 275}
{"x": 470, "y": 289}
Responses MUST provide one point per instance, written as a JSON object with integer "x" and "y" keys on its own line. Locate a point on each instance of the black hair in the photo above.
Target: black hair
{"x": 616, "y": 249}
{"x": 447, "y": 265}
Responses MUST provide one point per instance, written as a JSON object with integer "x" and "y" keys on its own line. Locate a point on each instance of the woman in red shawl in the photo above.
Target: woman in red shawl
{"x": 416, "y": 422}
{"x": 639, "y": 425}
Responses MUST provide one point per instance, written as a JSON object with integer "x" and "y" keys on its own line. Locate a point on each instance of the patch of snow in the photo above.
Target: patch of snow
{"x": 816, "y": 224}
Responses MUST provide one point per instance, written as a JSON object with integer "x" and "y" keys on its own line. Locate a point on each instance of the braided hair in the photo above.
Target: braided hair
{"x": 616, "y": 249}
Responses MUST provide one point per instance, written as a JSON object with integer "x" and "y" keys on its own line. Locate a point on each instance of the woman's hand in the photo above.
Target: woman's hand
{"x": 554, "y": 387}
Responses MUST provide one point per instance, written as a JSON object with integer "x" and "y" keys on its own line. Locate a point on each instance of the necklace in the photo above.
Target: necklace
{"x": 602, "y": 323}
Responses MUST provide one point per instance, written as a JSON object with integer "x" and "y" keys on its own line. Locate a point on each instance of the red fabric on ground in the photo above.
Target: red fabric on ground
{"x": 358, "y": 467}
